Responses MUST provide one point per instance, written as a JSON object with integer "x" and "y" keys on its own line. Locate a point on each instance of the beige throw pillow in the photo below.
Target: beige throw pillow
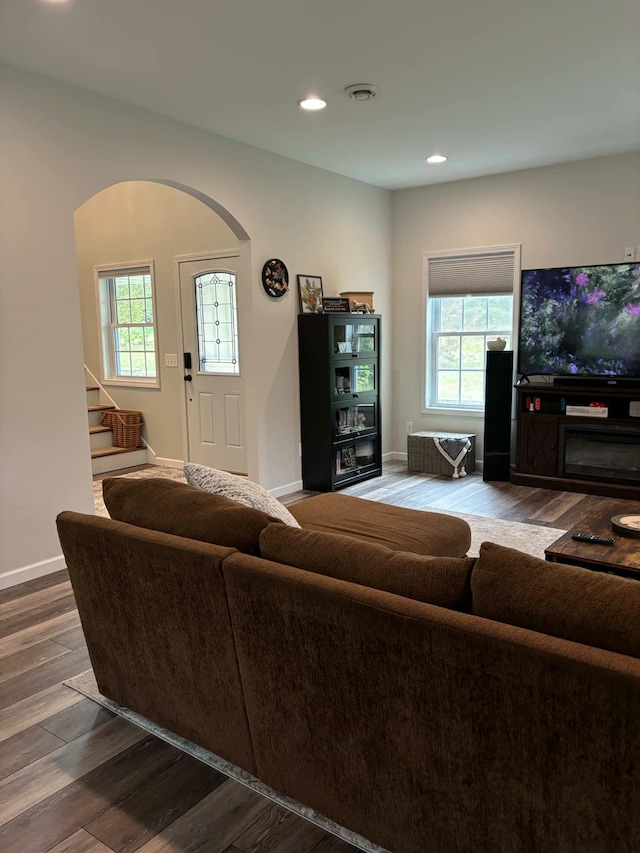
{"x": 237, "y": 489}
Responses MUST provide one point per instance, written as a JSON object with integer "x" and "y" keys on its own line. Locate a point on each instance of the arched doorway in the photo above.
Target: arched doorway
{"x": 160, "y": 223}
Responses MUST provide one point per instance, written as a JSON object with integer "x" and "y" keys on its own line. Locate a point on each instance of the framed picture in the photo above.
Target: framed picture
{"x": 310, "y": 290}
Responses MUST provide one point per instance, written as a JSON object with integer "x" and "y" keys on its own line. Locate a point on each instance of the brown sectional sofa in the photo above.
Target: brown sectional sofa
{"x": 431, "y": 704}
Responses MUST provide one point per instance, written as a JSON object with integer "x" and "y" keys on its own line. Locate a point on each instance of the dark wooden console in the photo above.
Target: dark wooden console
{"x": 575, "y": 452}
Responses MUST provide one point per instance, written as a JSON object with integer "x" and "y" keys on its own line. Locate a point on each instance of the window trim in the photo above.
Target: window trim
{"x": 461, "y": 334}
{"x": 104, "y": 309}
{"x": 426, "y": 348}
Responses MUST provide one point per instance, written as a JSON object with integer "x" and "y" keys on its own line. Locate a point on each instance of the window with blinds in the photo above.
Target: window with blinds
{"x": 469, "y": 298}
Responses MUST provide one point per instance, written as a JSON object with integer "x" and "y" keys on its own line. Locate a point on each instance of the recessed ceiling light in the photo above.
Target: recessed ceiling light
{"x": 436, "y": 158}
{"x": 312, "y": 103}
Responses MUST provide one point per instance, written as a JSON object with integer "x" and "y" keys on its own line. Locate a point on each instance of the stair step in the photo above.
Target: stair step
{"x": 117, "y": 461}
{"x": 100, "y": 437}
{"x": 92, "y": 388}
{"x": 99, "y": 408}
{"x": 111, "y": 451}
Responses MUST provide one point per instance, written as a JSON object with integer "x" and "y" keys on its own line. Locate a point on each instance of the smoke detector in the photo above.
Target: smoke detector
{"x": 361, "y": 91}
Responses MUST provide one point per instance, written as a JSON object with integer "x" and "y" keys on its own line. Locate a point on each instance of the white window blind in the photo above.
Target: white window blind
{"x": 477, "y": 272}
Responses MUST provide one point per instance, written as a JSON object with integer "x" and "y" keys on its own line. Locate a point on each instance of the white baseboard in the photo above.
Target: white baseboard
{"x": 161, "y": 460}
{"x": 279, "y": 491}
{"x": 395, "y": 454}
{"x": 28, "y": 573}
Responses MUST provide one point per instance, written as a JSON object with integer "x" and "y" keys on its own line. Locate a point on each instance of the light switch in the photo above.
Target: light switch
{"x": 170, "y": 359}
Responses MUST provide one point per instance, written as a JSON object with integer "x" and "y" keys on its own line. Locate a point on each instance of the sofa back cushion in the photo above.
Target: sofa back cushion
{"x": 444, "y": 581}
{"x": 172, "y": 507}
{"x": 576, "y": 604}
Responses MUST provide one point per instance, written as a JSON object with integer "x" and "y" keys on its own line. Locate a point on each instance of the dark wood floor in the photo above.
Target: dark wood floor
{"x": 471, "y": 495}
{"x": 76, "y": 779}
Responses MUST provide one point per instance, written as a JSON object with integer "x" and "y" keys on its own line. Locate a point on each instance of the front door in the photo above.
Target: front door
{"x": 213, "y": 383}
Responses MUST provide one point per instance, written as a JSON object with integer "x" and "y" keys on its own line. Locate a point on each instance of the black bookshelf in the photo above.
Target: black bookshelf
{"x": 339, "y": 358}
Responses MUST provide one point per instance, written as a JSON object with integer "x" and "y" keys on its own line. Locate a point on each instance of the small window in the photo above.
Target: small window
{"x": 217, "y": 322}
{"x": 460, "y": 328}
{"x": 128, "y": 322}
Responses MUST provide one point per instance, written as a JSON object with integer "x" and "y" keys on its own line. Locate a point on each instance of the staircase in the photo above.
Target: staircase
{"x": 104, "y": 456}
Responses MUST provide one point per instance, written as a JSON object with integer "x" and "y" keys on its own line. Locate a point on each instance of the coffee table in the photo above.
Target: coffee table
{"x": 621, "y": 558}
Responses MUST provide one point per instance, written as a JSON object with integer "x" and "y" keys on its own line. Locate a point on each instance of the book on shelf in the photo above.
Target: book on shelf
{"x": 346, "y": 460}
{"x": 349, "y": 461}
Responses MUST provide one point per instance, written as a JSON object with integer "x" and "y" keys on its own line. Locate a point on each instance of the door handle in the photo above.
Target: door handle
{"x": 188, "y": 378}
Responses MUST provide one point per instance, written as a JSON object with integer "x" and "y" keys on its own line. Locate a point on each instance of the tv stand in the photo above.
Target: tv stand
{"x": 579, "y": 438}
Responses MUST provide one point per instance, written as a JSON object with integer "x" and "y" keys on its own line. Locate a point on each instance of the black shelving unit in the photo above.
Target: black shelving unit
{"x": 339, "y": 357}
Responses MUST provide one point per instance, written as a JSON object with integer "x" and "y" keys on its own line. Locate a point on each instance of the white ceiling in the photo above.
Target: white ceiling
{"x": 496, "y": 85}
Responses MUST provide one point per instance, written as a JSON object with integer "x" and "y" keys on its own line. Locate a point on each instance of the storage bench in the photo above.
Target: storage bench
{"x": 423, "y": 454}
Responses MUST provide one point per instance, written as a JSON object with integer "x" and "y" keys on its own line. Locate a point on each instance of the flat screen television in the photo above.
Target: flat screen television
{"x": 580, "y": 321}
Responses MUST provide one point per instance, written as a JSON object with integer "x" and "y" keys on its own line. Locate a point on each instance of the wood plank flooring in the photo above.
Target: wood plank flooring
{"x": 471, "y": 495}
{"x": 76, "y": 779}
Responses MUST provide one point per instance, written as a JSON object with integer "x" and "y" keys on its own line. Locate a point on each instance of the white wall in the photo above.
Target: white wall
{"x": 135, "y": 221}
{"x": 577, "y": 213}
{"x": 61, "y": 146}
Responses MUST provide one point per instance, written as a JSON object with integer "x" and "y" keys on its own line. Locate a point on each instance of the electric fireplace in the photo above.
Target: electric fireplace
{"x": 589, "y": 452}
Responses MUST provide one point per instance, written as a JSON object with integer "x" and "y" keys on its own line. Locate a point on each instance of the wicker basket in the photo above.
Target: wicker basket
{"x": 423, "y": 455}
{"x": 126, "y": 425}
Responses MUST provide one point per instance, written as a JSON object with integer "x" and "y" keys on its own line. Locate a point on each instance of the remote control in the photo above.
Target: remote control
{"x": 590, "y": 537}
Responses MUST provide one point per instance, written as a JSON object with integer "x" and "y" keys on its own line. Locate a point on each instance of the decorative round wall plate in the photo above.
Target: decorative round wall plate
{"x": 275, "y": 277}
{"x": 626, "y": 525}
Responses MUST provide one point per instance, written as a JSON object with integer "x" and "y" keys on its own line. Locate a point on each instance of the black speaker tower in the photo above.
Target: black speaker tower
{"x": 498, "y": 392}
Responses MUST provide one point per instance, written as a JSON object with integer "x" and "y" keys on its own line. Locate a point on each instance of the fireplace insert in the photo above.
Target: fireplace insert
{"x": 593, "y": 452}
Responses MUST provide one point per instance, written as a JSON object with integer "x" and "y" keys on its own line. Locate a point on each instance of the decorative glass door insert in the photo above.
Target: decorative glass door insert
{"x": 217, "y": 322}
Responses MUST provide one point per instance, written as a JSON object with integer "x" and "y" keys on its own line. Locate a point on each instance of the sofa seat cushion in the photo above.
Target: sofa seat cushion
{"x": 576, "y": 604}
{"x": 237, "y": 488}
{"x": 444, "y": 581}
{"x": 172, "y": 507}
{"x": 418, "y": 531}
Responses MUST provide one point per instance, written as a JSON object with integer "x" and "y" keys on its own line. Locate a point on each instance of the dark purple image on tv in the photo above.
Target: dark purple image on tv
{"x": 580, "y": 321}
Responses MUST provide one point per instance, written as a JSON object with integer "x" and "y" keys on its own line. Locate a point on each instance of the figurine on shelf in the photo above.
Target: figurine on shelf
{"x": 361, "y": 307}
